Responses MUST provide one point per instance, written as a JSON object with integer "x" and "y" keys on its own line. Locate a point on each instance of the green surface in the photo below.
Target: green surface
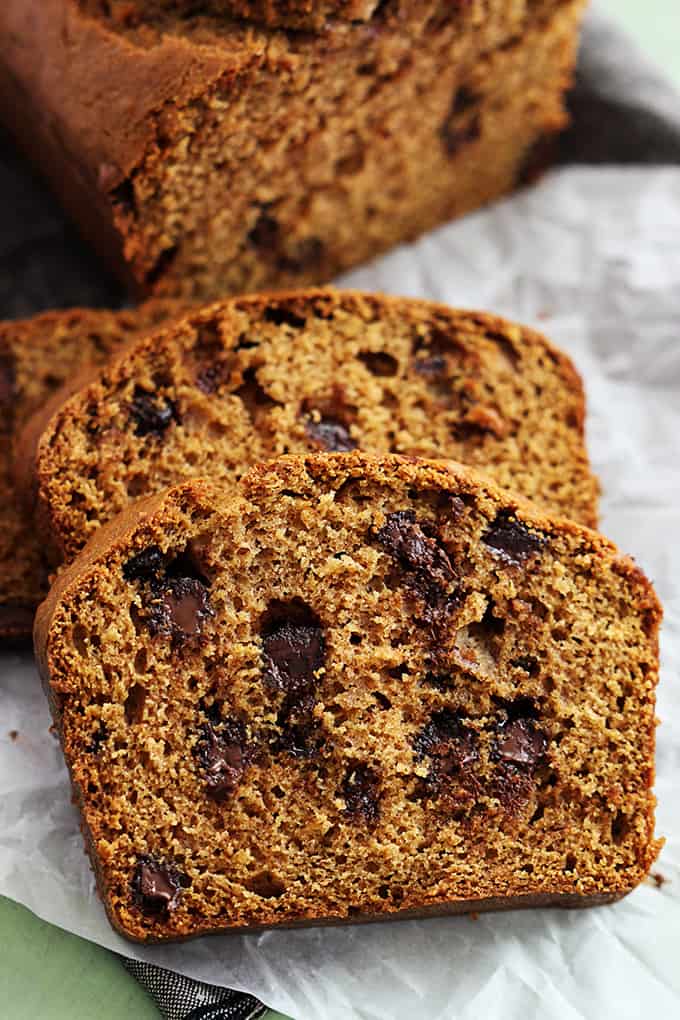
{"x": 46, "y": 974}
{"x": 656, "y": 26}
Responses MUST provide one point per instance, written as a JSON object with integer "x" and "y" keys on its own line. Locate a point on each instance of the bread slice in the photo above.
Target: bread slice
{"x": 37, "y": 357}
{"x": 350, "y": 688}
{"x": 260, "y": 376}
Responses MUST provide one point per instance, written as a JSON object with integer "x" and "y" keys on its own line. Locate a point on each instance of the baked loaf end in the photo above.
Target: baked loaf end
{"x": 206, "y": 156}
{"x": 37, "y": 357}
{"x": 351, "y": 688}
{"x": 255, "y": 377}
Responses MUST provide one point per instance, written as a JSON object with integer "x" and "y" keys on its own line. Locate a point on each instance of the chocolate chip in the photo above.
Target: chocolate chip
{"x": 379, "y": 363}
{"x": 330, "y": 435}
{"x": 445, "y": 737}
{"x": 511, "y": 540}
{"x": 520, "y": 744}
{"x": 180, "y": 608}
{"x": 424, "y": 559}
{"x": 152, "y": 414}
{"x": 361, "y": 791}
{"x": 452, "y": 749}
{"x": 221, "y": 755}
{"x": 265, "y": 233}
{"x": 284, "y": 317}
{"x": 293, "y": 653}
{"x": 145, "y": 566}
{"x": 464, "y": 99}
{"x": 156, "y": 886}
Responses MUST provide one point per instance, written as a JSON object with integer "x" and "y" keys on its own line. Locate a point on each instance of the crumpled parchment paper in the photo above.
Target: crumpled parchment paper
{"x": 592, "y": 258}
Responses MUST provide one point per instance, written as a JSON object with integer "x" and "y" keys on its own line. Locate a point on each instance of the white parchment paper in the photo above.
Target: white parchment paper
{"x": 592, "y": 257}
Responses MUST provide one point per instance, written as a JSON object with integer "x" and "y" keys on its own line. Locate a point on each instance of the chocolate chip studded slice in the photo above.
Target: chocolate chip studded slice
{"x": 318, "y": 745}
{"x": 311, "y": 371}
{"x": 156, "y": 886}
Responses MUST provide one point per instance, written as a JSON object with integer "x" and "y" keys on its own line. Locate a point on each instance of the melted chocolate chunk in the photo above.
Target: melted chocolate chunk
{"x": 152, "y": 414}
{"x": 520, "y": 744}
{"x": 511, "y": 540}
{"x": 331, "y": 435}
{"x": 293, "y": 653}
{"x": 424, "y": 559}
{"x": 361, "y": 791}
{"x": 180, "y": 608}
{"x": 156, "y": 886}
{"x": 221, "y": 754}
{"x": 145, "y": 566}
{"x": 452, "y": 749}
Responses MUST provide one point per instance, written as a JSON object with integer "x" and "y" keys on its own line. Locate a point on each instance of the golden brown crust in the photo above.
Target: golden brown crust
{"x": 585, "y": 694}
{"x": 478, "y": 403}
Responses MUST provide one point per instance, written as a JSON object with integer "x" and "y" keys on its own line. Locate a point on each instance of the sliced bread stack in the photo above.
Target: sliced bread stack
{"x": 301, "y": 670}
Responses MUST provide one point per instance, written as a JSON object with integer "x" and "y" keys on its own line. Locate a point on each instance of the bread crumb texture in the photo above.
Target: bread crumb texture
{"x": 348, "y": 688}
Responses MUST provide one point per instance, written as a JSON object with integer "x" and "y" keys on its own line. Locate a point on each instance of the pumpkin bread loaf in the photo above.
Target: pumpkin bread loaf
{"x": 206, "y": 156}
{"x": 255, "y": 377}
{"x": 349, "y": 688}
{"x": 37, "y": 357}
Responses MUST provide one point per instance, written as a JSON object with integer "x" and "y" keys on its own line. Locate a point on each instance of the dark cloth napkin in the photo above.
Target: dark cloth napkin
{"x": 624, "y": 112}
